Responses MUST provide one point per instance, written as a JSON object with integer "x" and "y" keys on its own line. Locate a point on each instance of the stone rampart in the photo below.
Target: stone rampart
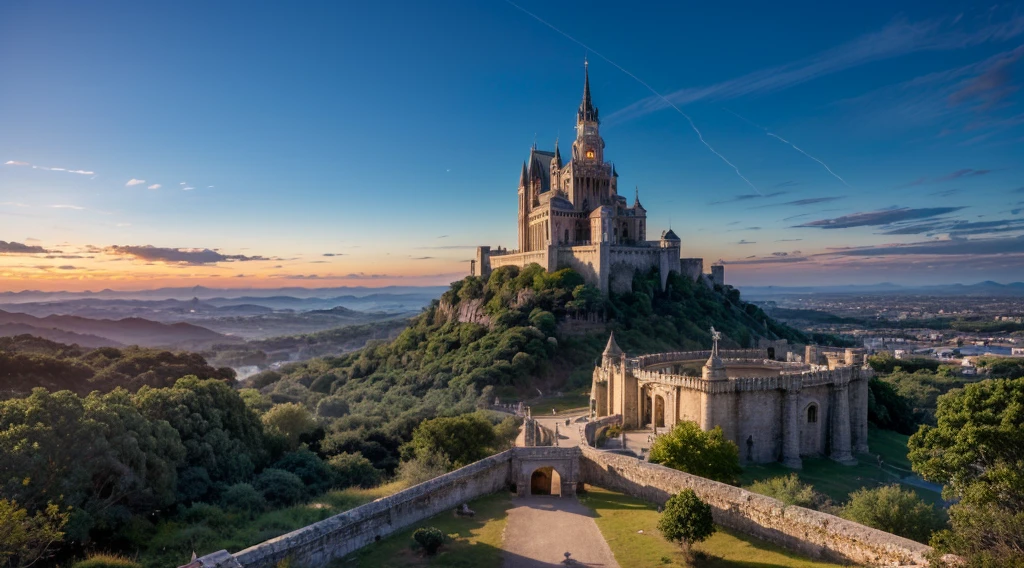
{"x": 808, "y": 532}
{"x": 319, "y": 543}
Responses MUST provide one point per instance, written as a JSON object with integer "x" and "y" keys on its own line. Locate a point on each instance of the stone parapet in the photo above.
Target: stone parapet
{"x": 642, "y": 361}
{"x": 808, "y": 532}
{"x": 794, "y": 381}
{"x": 337, "y": 536}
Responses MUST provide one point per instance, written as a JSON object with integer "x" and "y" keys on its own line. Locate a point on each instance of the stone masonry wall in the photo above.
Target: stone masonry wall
{"x": 319, "y": 543}
{"x": 808, "y": 532}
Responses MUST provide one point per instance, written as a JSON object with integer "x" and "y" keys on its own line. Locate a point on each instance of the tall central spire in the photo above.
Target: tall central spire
{"x": 587, "y": 110}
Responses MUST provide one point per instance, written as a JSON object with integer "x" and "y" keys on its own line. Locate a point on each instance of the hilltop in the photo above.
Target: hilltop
{"x": 506, "y": 336}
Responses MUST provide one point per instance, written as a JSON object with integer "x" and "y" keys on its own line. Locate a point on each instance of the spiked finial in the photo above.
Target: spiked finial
{"x": 522, "y": 176}
{"x": 587, "y": 111}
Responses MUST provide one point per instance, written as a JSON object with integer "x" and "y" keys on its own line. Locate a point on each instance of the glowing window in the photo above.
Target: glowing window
{"x": 590, "y": 154}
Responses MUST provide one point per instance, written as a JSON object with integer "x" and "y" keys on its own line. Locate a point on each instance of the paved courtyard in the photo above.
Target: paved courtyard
{"x": 540, "y": 530}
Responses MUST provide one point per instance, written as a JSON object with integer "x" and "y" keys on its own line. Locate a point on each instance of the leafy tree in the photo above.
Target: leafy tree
{"x": 332, "y": 407}
{"x": 353, "y": 469}
{"x": 464, "y": 439}
{"x": 292, "y": 420}
{"x": 98, "y": 455}
{"x": 690, "y": 449}
{"x": 316, "y": 475}
{"x": 26, "y": 539}
{"x": 888, "y": 409}
{"x": 429, "y": 538}
{"x": 893, "y": 509}
{"x": 220, "y": 434}
{"x": 791, "y": 491}
{"x": 279, "y": 487}
{"x": 686, "y": 520}
{"x": 976, "y": 449}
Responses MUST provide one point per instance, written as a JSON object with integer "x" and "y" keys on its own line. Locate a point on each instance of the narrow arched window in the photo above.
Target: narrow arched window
{"x": 812, "y": 414}
{"x": 567, "y": 235}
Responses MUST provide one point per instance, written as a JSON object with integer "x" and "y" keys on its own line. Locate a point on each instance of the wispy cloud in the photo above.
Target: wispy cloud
{"x": 958, "y": 174}
{"x": 155, "y": 186}
{"x": 942, "y": 247}
{"x": 896, "y": 39}
{"x": 62, "y": 206}
{"x": 47, "y": 168}
{"x": 192, "y": 256}
{"x": 878, "y": 218}
{"x": 187, "y": 188}
{"x": 20, "y": 248}
{"x": 134, "y": 181}
{"x": 749, "y": 196}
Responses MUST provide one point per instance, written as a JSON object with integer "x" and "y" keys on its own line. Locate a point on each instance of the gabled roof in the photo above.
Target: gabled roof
{"x": 669, "y": 235}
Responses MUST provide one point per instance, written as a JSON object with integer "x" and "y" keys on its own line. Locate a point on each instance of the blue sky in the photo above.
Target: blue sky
{"x": 150, "y": 144}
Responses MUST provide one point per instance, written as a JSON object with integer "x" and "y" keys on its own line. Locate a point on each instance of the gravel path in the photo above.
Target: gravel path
{"x": 540, "y": 530}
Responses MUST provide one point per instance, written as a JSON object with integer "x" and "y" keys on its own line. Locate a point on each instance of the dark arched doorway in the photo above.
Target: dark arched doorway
{"x": 659, "y": 411}
{"x": 545, "y": 481}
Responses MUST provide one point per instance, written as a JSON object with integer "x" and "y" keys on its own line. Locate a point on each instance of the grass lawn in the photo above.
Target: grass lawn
{"x": 478, "y": 542}
{"x": 568, "y": 401}
{"x": 619, "y": 517}
{"x": 838, "y": 481}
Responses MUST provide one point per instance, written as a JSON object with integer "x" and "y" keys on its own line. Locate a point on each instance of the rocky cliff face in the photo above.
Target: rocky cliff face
{"x": 466, "y": 311}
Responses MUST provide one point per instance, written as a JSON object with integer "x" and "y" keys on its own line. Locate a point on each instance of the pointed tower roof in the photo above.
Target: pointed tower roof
{"x": 636, "y": 199}
{"x": 558, "y": 155}
{"x": 522, "y": 176}
{"x": 612, "y": 349}
{"x": 587, "y": 109}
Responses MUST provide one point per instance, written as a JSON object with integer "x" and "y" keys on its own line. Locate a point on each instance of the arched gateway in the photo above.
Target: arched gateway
{"x": 545, "y": 471}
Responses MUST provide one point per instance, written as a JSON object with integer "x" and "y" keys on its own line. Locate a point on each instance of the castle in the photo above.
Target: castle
{"x": 572, "y": 216}
{"x": 772, "y": 410}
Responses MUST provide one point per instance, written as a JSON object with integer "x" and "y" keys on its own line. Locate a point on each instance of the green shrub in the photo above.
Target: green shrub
{"x": 429, "y": 538}
{"x": 280, "y": 488}
{"x": 353, "y": 469}
{"x": 243, "y": 498}
{"x": 791, "y": 491}
{"x": 106, "y": 561}
{"x": 893, "y": 509}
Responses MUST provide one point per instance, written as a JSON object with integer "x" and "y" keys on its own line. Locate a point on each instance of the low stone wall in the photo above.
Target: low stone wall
{"x": 319, "y": 543}
{"x": 808, "y": 532}
{"x": 593, "y": 428}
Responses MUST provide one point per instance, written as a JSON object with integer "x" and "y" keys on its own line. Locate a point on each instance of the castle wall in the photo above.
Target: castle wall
{"x": 814, "y": 436}
{"x": 692, "y": 268}
{"x": 808, "y": 532}
{"x": 625, "y": 261}
{"x": 760, "y": 422}
{"x": 334, "y": 537}
{"x": 584, "y": 259}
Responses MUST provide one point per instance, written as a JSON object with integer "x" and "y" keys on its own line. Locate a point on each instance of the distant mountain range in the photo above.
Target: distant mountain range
{"x": 204, "y": 293}
{"x": 100, "y": 332}
{"x": 986, "y": 288}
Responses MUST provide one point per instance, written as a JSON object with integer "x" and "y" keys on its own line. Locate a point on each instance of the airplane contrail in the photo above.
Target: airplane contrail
{"x": 794, "y": 146}
{"x": 649, "y": 88}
